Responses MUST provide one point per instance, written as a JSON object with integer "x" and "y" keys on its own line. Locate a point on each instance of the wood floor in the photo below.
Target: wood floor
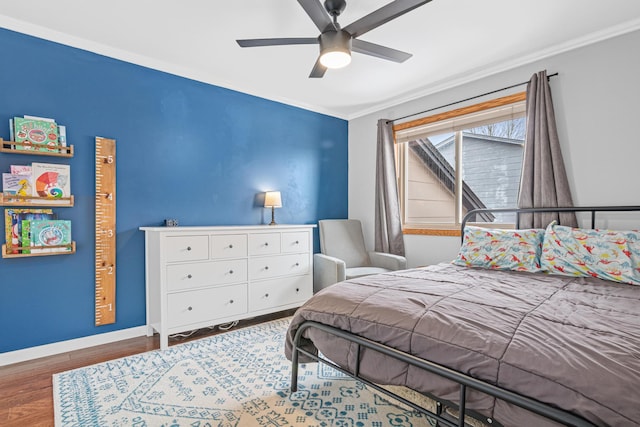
{"x": 26, "y": 390}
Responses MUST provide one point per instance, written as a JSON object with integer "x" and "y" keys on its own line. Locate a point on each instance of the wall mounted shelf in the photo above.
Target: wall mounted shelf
{"x": 28, "y": 201}
{"x": 11, "y": 147}
{"x": 7, "y": 251}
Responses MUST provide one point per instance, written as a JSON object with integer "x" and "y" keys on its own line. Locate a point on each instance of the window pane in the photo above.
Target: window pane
{"x": 430, "y": 195}
{"x": 492, "y": 164}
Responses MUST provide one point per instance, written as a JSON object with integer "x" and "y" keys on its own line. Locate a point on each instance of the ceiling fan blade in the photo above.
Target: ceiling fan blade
{"x": 382, "y": 15}
{"x": 277, "y": 42}
{"x": 378, "y": 51}
{"x": 318, "y": 70}
{"x": 318, "y": 14}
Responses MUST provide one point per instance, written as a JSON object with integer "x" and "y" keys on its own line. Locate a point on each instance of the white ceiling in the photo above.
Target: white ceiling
{"x": 452, "y": 42}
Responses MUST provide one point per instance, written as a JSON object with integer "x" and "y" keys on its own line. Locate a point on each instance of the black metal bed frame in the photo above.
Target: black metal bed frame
{"x": 465, "y": 381}
{"x": 519, "y": 211}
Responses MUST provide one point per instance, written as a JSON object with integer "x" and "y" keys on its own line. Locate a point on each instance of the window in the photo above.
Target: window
{"x": 465, "y": 159}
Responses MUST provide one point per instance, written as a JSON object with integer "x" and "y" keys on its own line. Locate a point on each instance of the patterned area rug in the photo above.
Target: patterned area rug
{"x": 238, "y": 378}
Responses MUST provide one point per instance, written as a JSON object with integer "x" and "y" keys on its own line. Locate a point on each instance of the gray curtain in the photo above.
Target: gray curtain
{"x": 544, "y": 181}
{"x": 388, "y": 227}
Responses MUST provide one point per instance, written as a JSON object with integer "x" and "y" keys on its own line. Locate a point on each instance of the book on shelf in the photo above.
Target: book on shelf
{"x": 25, "y": 236}
{"x": 62, "y": 135}
{"x": 35, "y": 134}
{"x": 62, "y": 130}
{"x": 19, "y": 185}
{"x": 13, "y": 218}
{"x": 49, "y": 233}
{"x": 20, "y": 169}
{"x": 51, "y": 180}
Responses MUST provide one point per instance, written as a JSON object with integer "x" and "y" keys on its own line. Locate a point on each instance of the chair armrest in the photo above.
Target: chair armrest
{"x": 388, "y": 261}
{"x": 327, "y": 270}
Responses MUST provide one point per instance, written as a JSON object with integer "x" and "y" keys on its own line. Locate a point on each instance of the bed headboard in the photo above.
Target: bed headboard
{"x": 518, "y": 211}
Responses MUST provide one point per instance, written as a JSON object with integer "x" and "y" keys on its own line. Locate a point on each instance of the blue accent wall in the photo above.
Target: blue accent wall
{"x": 187, "y": 150}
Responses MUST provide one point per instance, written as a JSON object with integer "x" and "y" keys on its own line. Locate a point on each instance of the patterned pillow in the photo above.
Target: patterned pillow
{"x": 606, "y": 254}
{"x": 501, "y": 249}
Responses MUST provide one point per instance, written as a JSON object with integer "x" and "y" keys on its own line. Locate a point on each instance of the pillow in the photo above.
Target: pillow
{"x": 605, "y": 254}
{"x": 501, "y": 249}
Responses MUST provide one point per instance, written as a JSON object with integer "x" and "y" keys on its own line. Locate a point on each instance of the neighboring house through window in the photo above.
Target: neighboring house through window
{"x": 451, "y": 163}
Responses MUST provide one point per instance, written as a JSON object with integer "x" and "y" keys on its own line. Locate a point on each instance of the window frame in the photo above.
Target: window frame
{"x": 444, "y": 229}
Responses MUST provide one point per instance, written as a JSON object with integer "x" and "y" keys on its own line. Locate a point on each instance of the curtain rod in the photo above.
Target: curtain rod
{"x": 468, "y": 99}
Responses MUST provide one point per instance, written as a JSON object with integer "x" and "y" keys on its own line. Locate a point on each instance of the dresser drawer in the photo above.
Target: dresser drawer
{"x": 187, "y": 276}
{"x": 264, "y": 243}
{"x": 229, "y": 246}
{"x": 187, "y": 248}
{"x": 295, "y": 242}
{"x": 278, "y": 265}
{"x": 186, "y": 308}
{"x": 278, "y": 292}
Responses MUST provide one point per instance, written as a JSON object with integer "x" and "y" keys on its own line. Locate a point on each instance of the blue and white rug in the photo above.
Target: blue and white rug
{"x": 238, "y": 378}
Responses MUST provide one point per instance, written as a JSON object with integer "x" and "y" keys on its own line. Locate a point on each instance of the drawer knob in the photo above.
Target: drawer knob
{"x": 230, "y": 301}
{"x": 230, "y": 271}
{"x": 189, "y": 276}
{"x": 266, "y": 295}
{"x": 297, "y": 264}
{"x": 266, "y": 244}
{"x": 297, "y": 242}
{"x": 189, "y": 308}
{"x": 230, "y": 246}
{"x": 188, "y": 248}
{"x": 297, "y": 290}
{"x": 266, "y": 267}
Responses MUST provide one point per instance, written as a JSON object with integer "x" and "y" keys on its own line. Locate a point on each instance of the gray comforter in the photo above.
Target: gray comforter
{"x": 572, "y": 342}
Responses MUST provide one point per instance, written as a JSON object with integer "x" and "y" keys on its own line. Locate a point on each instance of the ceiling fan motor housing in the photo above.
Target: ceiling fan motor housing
{"x": 335, "y": 41}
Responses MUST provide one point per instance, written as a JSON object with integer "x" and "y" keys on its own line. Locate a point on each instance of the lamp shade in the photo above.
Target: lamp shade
{"x": 272, "y": 199}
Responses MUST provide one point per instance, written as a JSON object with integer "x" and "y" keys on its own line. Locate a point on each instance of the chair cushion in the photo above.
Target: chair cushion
{"x": 343, "y": 239}
{"x": 354, "y": 272}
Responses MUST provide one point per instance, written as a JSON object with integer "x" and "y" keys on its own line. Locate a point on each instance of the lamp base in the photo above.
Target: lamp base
{"x": 273, "y": 221}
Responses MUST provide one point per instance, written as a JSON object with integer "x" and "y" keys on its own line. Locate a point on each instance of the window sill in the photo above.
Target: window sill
{"x": 450, "y": 229}
{"x": 453, "y": 232}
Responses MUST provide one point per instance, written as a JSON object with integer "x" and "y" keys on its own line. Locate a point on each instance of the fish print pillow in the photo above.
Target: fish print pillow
{"x": 498, "y": 249}
{"x": 605, "y": 254}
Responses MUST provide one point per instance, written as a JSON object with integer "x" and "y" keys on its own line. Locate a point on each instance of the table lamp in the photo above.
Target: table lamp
{"x": 272, "y": 200}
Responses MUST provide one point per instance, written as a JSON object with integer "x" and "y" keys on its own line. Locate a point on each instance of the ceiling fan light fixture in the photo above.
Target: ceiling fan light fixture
{"x": 335, "y": 59}
{"x": 335, "y": 49}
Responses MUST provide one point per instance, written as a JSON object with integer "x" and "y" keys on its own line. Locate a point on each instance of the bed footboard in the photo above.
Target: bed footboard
{"x": 463, "y": 380}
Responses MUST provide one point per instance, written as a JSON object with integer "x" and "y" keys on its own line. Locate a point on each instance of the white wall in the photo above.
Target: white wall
{"x": 597, "y": 104}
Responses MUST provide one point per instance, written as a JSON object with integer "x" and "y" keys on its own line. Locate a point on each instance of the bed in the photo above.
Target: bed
{"x": 545, "y": 332}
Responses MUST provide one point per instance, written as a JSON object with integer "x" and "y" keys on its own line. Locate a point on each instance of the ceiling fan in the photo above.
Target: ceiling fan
{"x": 337, "y": 43}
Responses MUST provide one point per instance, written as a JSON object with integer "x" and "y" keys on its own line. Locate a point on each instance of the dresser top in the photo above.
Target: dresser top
{"x": 190, "y": 228}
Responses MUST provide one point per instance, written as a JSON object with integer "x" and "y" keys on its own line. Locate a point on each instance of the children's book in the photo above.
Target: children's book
{"x": 50, "y": 233}
{"x": 19, "y": 185}
{"x": 35, "y": 134}
{"x": 13, "y": 223}
{"x": 20, "y": 169}
{"x": 25, "y": 240}
{"x": 62, "y": 135}
{"x": 51, "y": 180}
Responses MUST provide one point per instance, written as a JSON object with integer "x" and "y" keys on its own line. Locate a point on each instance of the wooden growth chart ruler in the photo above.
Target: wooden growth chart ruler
{"x": 105, "y": 231}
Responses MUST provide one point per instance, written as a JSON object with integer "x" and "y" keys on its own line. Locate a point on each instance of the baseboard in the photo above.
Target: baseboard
{"x": 70, "y": 345}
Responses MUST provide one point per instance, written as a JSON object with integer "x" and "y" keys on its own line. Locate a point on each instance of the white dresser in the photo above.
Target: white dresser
{"x": 204, "y": 276}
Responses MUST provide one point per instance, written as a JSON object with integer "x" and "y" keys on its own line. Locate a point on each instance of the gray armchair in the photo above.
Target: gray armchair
{"x": 344, "y": 256}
